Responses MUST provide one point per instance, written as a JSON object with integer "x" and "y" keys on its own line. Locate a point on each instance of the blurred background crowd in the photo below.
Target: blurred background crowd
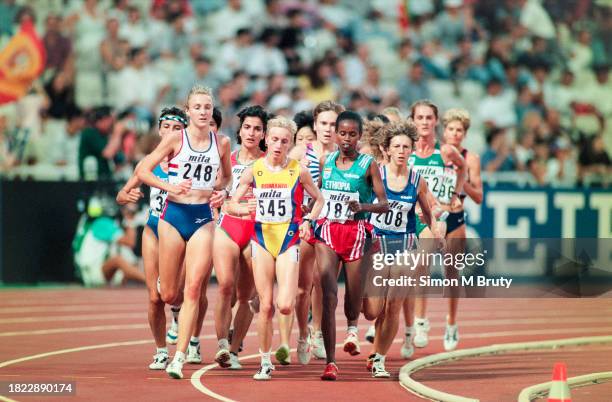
{"x": 534, "y": 75}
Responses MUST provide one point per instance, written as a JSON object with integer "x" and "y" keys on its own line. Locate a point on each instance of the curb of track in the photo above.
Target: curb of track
{"x": 541, "y": 390}
{"x": 426, "y": 392}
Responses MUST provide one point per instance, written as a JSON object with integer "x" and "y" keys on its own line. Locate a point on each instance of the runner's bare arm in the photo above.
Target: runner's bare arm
{"x": 234, "y": 207}
{"x": 473, "y": 185}
{"x": 144, "y": 171}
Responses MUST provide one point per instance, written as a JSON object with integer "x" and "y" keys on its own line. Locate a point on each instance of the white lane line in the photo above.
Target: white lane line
{"x": 196, "y": 377}
{"x": 422, "y": 390}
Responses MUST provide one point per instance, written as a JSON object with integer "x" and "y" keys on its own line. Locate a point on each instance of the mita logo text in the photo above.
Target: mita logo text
{"x": 199, "y": 158}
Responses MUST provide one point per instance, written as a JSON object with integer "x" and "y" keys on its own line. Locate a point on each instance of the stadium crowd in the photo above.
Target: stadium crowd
{"x": 533, "y": 74}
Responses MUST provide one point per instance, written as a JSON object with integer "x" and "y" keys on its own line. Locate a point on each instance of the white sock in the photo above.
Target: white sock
{"x": 265, "y": 358}
{"x": 420, "y": 321}
{"x": 194, "y": 340}
{"x": 162, "y": 350}
{"x": 179, "y": 356}
{"x": 352, "y": 329}
{"x": 408, "y": 331}
{"x": 223, "y": 343}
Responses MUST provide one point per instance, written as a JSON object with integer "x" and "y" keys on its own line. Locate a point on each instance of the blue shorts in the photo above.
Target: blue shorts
{"x": 187, "y": 218}
{"x": 390, "y": 244}
{"x": 152, "y": 222}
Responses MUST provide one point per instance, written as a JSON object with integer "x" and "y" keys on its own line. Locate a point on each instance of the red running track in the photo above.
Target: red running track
{"x": 100, "y": 339}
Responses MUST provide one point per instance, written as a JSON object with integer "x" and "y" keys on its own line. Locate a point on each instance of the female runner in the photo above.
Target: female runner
{"x": 186, "y": 228}
{"x": 171, "y": 120}
{"x": 278, "y": 185}
{"x": 232, "y": 258}
{"x": 348, "y": 180}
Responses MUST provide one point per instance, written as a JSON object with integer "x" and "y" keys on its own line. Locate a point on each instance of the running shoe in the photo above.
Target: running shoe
{"x": 451, "y": 337}
{"x": 370, "y": 362}
{"x": 254, "y": 305}
{"x": 370, "y": 334}
{"x": 234, "y": 363}
{"x": 160, "y": 361}
{"x": 421, "y": 330}
{"x": 378, "y": 369}
{"x": 330, "y": 373}
{"x": 264, "y": 373}
{"x": 172, "y": 334}
{"x": 283, "y": 355}
{"x": 303, "y": 350}
{"x": 407, "y": 349}
{"x": 175, "y": 369}
{"x": 318, "y": 348}
{"x": 351, "y": 344}
{"x": 193, "y": 354}
{"x": 223, "y": 357}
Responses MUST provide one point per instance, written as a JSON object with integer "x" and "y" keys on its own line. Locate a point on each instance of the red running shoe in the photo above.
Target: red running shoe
{"x": 330, "y": 373}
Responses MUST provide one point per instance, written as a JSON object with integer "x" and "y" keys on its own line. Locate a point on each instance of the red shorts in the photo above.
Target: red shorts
{"x": 239, "y": 230}
{"x": 347, "y": 239}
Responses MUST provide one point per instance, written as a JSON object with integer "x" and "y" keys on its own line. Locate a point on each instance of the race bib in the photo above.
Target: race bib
{"x": 273, "y": 205}
{"x": 336, "y": 206}
{"x": 395, "y": 220}
{"x": 157, "y": 200}
{"x": 237, "y": 172}
{"x": 203, "y": 175}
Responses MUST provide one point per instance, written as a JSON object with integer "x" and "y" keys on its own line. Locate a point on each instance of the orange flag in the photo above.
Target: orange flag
{"x": 21, "y": 61}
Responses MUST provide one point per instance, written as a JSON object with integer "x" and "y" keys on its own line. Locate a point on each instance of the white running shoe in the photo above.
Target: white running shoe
{"x": 407, "y": 349}
{"x": 451, "y": 337}
{"x": 370, "y": 334}
{"x": 351, "y": 344}
{"x": 378, "y": 369}
{"x": 193, "y": 354}
{"x": 175, "y": 369}
{"x": 234, "y": 363}
{"x": 318, "y": 348}
{"x": 264, "y": 373}
{"x": 223, "y": 358}
{"x": 303, "y": 350}
{"x": 160, "y": 361}
{"x": 421, "y": 329}
{"x": 172, "y": 334}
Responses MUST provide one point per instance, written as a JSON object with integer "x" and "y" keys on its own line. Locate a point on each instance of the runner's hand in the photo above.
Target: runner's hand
{"x": 354, "y": 206}
{"x": 182, "y": 188}
{"x": 217, "y": 198}
{"x": 305, "y": 231}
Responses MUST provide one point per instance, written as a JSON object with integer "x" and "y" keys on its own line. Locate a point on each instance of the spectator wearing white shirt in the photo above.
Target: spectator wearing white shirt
{"x": 234, "y": 55}
{"x": 134, "y": 31}
{"x": 535, "y": 19}
{"x": 266, "y": 59}
{"x": 496, "y": 109}
{"x": 138, "y": 85}
{"x": 224, "y": 24}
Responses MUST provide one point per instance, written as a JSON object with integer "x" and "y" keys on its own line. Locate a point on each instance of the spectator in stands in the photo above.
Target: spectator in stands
{"x": 316, "y": 84}
{"x": 265, "y": 58}
{"x": 562, "y": 169}
{"x": 498, "y": 156}
{"x": 57, "y": 46}
{"x": 595, "y": 165}
{"x": 101, "y": 142}
{"x": 496, "y": 109}
{"x": 415, "y": 86}
{"x": 538, "y": 165}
